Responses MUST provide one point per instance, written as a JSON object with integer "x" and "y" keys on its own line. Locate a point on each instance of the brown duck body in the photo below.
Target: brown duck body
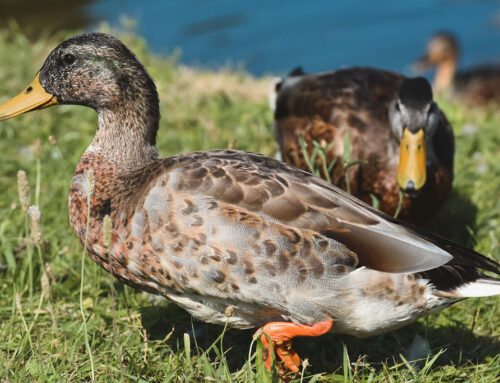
{"x": 477, "y": 86}
{"x": 323, "y": 106}
{"x": 223, "y": 228}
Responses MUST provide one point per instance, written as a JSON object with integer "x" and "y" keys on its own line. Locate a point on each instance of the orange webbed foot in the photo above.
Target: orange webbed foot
{"x": 281, "y": 335}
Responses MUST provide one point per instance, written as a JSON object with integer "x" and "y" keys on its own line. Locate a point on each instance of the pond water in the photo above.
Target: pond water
{"x": 266, "y": 36}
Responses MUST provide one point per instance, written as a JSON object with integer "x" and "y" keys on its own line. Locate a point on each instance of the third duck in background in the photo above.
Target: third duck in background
{"x": 477, "y": 86}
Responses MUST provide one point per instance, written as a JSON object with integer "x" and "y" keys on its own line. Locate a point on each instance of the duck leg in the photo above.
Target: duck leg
{"x": 281, "y": 335}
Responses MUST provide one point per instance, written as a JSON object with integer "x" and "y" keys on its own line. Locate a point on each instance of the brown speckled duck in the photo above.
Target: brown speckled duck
{"x": 394, "y": 126}
{"x": 207, "y": 230}
{"x": 477, "y": 86}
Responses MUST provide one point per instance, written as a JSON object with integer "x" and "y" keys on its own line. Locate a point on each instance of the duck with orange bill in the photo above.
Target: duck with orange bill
{"x": 288, "y": 251}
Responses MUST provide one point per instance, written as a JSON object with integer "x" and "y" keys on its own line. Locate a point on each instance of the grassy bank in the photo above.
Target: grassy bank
{"x": 42, "y": 337}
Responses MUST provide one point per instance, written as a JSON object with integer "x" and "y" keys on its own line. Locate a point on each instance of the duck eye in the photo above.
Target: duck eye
{"x": 68, "y": 59}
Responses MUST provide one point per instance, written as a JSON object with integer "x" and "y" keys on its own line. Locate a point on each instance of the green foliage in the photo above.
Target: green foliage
{"x": 325, "y": 168}
{"x": 42, "y": 334}
{"x": 319, "y": 152}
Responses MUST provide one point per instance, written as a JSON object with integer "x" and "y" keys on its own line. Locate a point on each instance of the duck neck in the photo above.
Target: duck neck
{"x": 444, "y": 75}
{"x": 127, "y": 135}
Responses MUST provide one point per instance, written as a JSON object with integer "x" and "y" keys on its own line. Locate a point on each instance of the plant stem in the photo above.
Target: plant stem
{"x": 37, "y": 185}
{"x": 30, "y": 257}
{"x": 82, "y": 310}
{"x": 400, "y": 204}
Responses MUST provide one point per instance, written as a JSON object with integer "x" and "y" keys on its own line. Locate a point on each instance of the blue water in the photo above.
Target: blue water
{"x": 266, "y": 36}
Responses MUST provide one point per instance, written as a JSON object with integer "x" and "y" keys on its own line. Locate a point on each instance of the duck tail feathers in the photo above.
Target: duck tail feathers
{"x": 481, "y": 288}
{"x": 298, "y": 71}
{"x": 277, "y": 83}
{"x": 274, "y": 88}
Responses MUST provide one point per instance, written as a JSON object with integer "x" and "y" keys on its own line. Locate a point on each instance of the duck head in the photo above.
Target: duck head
{"x": 98, "y": 71}
{"x": 414, "y": 118}
{"x": 442, "y": 52}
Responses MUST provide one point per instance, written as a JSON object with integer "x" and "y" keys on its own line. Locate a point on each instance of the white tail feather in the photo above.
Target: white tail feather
{"x": 479, "y": 288}
{"x": 273, "y": 92}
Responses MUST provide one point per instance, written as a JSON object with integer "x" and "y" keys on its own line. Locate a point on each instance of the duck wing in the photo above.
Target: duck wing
{"x": 249, "y": 182}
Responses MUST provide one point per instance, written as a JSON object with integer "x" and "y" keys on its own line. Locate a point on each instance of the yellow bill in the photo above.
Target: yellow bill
{"x": 412, "y": 161}
{"x": 33, "y": 97}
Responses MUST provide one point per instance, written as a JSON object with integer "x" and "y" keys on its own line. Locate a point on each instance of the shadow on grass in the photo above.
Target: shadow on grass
{"x": 326, "y": 353}
{"x": 456, "y": 219}
{"x": 461, "y": 347}
{"x": 158, "y": 322}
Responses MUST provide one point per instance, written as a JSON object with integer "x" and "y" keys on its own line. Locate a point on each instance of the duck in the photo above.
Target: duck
{"x": 476, "y": 87}
{"x": 402, "y": 142}
{"x": 288, "y": 252}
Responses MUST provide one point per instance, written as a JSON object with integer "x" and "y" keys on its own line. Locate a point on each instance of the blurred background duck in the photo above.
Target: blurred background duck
{"x": 394, "y": 127}
{"x": 207, "y": 230}
{"x": 476, "y": 86}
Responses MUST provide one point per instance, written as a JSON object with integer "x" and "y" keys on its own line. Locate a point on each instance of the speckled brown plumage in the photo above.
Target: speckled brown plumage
{"x": 321, "y": 107}
{"x": 223, "y": 228}
{"x": 233, "y": 228}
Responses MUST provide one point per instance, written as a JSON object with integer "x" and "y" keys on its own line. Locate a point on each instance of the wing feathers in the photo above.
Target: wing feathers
{"x": 390, "y": 250}
{"x": 296, "y": 198}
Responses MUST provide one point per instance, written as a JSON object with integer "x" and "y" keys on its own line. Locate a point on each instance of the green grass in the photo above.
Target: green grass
{"x": 42, "y": 333}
